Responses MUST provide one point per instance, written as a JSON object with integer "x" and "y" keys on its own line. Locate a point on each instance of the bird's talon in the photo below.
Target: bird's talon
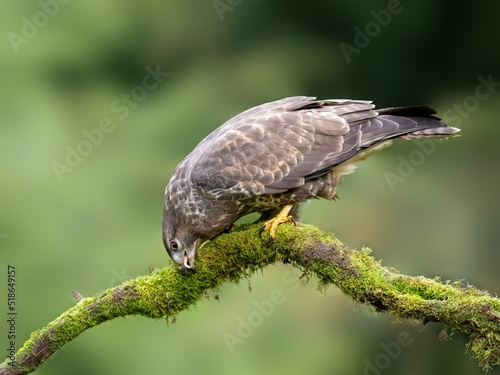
{"x": 273, "y": 224}
{"x": 231, "y": 229}
{"x": 262, "y": 229}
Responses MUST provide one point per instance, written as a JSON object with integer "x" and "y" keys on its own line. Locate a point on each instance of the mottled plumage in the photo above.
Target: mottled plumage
{"x": 277, "y": 154}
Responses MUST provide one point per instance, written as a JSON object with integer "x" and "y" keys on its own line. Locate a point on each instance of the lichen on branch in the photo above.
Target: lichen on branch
{"x": 235, "y": 256}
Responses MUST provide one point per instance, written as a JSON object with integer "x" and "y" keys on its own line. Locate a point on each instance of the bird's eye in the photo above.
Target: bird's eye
{"x": 174, "y": 245}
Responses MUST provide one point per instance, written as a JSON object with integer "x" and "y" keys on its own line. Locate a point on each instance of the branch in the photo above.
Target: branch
{"x": 232, "y": 257}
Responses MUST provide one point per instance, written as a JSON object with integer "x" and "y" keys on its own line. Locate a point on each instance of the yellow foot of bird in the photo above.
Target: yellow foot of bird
{"x": 231, "y": 229}
{"x": 272, "y": 225}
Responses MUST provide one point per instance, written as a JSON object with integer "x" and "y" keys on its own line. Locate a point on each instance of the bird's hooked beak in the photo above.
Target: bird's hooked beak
{"x": 187, "y": 265}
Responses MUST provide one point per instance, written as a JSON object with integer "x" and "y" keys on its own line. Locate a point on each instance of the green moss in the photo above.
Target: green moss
{"x": 236, "y": 256}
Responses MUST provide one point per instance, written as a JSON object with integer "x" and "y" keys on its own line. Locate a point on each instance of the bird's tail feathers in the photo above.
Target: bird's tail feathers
{"x": 410, "y": 111}
{"x": 444, "y": 132}
{"x": 427, "y": 125}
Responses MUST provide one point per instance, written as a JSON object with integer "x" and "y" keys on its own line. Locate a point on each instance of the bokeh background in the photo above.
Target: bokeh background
{"x": 99, "y": 224}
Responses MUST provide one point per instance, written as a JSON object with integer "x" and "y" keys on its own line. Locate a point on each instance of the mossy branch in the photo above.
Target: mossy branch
{"x": 231, "y": 257}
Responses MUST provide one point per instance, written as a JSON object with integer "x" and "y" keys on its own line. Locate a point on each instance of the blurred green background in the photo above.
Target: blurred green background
{"x": 100, "y": 223}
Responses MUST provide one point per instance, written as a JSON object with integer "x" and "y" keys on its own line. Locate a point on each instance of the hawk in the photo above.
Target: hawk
{"x": 271, "y": 158}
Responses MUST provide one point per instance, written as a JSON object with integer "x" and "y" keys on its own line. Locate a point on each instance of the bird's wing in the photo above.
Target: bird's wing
{"x": 278, "y": 146}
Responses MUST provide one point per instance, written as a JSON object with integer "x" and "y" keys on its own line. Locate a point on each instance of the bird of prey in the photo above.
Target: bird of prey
{"x": 271, "y": 158}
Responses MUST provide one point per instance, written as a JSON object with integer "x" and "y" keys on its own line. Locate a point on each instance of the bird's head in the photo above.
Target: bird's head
{"x": 181, "y": 245}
